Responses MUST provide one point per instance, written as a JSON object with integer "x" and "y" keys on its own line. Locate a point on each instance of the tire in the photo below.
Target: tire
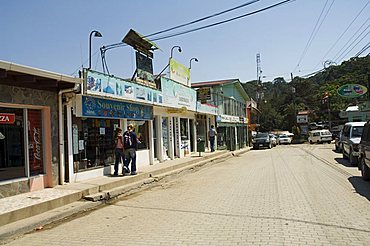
{"x": 352, "y": 159}
{"x": 365, "y": 170}
{"x": 311, "y": 142}
{"x": 336, "y": 148}
{"x": 344, "y": 154}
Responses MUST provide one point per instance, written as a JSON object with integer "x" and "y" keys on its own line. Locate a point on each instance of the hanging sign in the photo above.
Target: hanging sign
{"x": 7, "y": 119}
{"x": 351, "y": 90}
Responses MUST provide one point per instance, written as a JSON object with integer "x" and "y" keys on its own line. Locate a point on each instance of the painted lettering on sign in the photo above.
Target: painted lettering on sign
{"x": 7, "y": 118}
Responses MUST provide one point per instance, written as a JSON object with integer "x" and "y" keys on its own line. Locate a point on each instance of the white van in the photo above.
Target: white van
{"x": 320, "y": 136}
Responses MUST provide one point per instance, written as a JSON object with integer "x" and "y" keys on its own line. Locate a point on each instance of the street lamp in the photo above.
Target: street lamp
{"x": 96, "y": 34}
{"x": 178, "y": 48}
{"x": 193, "y": 59}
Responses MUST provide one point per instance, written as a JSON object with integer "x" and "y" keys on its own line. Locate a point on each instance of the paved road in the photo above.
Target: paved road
{"x": 289, "y": 195}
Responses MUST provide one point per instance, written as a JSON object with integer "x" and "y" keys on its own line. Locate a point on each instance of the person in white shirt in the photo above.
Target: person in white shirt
{"x": 212, "y": 135}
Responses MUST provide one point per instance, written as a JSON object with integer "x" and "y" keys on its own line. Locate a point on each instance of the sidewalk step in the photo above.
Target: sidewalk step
{"x": 26, "y": 205}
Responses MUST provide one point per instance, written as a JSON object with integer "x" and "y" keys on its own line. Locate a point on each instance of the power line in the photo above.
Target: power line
{"x": 202, "y": 27}
{"x": 225, "y": 21}
{"x": 349, "y": 40}
{"x": 367, "y": 46}
{"x": 314, "y": 32}
{"x": 341, "y": 56}
{"x": 344, "y": 32}
{"x": 203, "y": 18}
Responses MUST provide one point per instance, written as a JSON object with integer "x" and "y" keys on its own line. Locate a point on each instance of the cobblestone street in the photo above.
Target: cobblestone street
{"x": 289, "y": 195}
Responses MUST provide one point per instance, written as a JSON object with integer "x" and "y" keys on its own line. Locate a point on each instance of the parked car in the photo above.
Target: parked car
{"x": 338, "y": 142}
{"x": 262, "y": 140}
{"x": 284, "y": 139}
{"x": 364, "y": 149}
{"x": 273, "y": 139}
{"x": 351, "y": 137}
{"x": 319, "y": 136}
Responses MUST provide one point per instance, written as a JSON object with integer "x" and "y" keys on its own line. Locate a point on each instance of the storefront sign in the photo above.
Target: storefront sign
{"x": 179, "y": 72}
{"x": 207, "y": 108}
{"x": 35, "y": 139}
{"x": 302, "y": 118}
{"x": 204, "y": 94}
{"x": 230, "y": 119}
{"x": 351, "y": 90}
{"x": 7, "y": 119}
{"x": 104, "y": 108}
{"x": 176, "y": 95}
{"x": 100, "y": 84}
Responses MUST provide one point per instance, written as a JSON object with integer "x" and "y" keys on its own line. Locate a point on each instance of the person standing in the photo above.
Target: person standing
{"x": 212, "y": 135}
{"x": 118, "y": 150}
{"x": 130, "y": 147}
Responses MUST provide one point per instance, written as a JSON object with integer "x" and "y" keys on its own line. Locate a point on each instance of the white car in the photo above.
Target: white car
{"x": 284, "y": 139}
{"x": 320, "y": 136}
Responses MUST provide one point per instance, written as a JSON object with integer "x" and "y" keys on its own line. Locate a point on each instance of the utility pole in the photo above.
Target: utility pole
{"x": 293, "y": 91}
{"x": 368, "y": 86}
{"x": 259, "y": 86}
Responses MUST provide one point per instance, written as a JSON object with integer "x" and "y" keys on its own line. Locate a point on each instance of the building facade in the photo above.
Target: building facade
{"x": 29, "y": 127}
{"x": 230, "y": 99}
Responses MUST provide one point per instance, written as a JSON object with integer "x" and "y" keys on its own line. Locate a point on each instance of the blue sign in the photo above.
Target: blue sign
{"x": 104, "y": 108}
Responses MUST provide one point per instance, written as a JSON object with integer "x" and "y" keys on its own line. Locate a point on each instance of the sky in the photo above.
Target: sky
{"x": 53, "y": 35}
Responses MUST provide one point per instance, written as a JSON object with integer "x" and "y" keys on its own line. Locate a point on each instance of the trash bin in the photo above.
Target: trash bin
{"x": 201, "y": 145}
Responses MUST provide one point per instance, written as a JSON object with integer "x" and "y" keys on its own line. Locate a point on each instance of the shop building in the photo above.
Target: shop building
{"x": 29, "y": 127}
{"x": 164, "y": 119}
{"x": 230, "y": 98}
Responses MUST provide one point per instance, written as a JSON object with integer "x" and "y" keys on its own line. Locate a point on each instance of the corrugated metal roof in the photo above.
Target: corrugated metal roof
{"x": 210, "y": 83}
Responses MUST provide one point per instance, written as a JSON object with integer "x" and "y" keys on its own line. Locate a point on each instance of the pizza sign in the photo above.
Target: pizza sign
{"x": 7, "y": 119}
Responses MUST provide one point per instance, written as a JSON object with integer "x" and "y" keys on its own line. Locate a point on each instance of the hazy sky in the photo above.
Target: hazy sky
{"x": 54, "y": 35}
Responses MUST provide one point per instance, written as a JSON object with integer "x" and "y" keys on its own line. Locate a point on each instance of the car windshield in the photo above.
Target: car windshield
{"x": 262, "y": 135}
{"x": 325, "y": 133}
{"x": 357, "y": 131}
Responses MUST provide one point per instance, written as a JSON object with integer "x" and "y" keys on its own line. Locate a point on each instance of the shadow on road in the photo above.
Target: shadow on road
{"x": 361, "y": 186}
{"x": 343, "y": 162}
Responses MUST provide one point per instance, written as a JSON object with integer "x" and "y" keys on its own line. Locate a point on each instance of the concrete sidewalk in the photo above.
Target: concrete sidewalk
{"x": 29, "y": 211}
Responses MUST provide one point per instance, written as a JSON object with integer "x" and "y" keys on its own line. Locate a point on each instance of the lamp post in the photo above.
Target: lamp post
{"x": 178, "y": 48}
{"x": 96, "y": 34}
{"x": 193, "y": 59}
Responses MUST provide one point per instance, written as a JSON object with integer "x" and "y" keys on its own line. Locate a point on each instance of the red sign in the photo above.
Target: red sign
{"x": 7, "y": 118}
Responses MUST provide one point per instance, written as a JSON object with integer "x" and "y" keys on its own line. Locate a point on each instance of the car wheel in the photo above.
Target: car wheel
{"x": 344, "y": 155}
{"x": 352, "y": 159}
{"x": 311, "y": 142}
{"x": 365, "y": 170}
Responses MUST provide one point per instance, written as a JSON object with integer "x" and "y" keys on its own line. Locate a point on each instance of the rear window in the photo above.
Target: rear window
{"x": 262, "y": 135}
{"x": 357, "y": 131}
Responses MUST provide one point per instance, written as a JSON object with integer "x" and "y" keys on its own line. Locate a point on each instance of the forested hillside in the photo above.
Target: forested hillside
{"x": 280, "y": 99}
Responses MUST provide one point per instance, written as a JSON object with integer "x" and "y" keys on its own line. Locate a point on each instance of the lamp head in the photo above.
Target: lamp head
{"x": 97, "y": 34}
{"x": 180, "y": 49}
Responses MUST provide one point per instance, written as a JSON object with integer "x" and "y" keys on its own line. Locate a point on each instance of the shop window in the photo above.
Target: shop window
{"x": 12, "y": 155}
{"x": 141, "y": 129}
{"x": 221, "y": 137}
{"x": 184, "y": 129}
{"x": 93, "y": 142}
{"x": 165, "y": 135}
